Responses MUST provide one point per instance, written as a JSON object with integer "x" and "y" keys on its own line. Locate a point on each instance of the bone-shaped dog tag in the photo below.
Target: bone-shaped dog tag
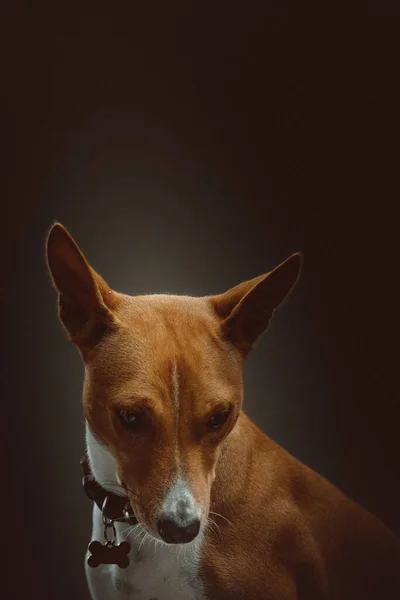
{"x": 108, "y": 554}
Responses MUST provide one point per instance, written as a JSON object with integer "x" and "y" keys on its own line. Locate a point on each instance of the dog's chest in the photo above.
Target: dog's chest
{"x": 155, "y": 571}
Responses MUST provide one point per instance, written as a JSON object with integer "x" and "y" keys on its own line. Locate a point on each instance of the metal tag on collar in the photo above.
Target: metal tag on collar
{"x": 128, "y": 514}
{"x": 108, "y": 553}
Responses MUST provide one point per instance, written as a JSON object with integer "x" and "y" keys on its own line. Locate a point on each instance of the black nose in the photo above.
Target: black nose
{"x": 173, "y": 533}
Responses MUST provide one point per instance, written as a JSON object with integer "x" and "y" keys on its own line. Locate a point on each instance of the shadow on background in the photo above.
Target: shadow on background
{"x": 187, "y": 152}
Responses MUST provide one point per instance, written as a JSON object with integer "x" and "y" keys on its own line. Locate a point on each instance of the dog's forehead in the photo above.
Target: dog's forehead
{"x": 172, "y": 320}
{"x": 168, "y": 306}
{"x": 163, "y": 341}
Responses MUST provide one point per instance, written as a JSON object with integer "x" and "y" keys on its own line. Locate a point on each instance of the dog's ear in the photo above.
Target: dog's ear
{"x": 86, "y": 302}
{"x": 247, "y": 309}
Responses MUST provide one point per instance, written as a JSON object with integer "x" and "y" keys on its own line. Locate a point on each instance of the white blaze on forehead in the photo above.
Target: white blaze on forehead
{"x": 175, "y": 386}
{"x": 179, "y": 502}
{"x": 175, "y": 396}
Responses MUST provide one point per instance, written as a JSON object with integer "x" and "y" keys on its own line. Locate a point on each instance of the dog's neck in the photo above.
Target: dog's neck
{"x": 245, "y": 451}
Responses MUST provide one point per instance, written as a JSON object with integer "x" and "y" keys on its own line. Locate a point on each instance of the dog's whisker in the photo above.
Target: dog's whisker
{"x": 211, "y": 521}
{"x": 144, "y": 537}
{"x": 212, "y": 512}
{"x": 210, "y": 526}
{"x": 129, "y": 531}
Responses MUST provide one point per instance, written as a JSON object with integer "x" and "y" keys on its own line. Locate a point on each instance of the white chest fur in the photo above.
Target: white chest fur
{"x": 156, "y": 571}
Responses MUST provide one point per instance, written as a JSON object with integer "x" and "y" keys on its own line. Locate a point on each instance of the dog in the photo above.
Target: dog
{"x": 221, "y": 511}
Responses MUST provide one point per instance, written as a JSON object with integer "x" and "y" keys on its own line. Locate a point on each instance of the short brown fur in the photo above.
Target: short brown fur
{"x": 285, "y": 533}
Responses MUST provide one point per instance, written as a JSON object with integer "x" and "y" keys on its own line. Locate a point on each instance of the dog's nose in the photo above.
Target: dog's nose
{"x": 173, "y": 533}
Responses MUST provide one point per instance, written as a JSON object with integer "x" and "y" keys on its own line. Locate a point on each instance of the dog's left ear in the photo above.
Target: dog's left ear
{"x": 247, "y": 309}
{"x": 86, "y": 301}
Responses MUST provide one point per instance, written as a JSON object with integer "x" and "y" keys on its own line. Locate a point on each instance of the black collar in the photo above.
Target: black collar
{"x": 114, "y": 507}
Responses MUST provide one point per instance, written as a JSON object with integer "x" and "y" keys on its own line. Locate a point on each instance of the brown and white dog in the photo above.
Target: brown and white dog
{"x": 223, "y": 511}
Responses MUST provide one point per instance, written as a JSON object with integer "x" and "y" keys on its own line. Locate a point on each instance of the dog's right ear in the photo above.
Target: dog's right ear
{"x": 247, "y": 309}
{"x": 86, "y": 302}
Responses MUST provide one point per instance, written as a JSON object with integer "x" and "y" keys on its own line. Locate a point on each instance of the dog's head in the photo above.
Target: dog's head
{"x": 163, "y": 381}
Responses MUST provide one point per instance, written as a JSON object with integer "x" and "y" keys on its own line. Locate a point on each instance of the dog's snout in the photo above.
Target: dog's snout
{"x": 173, "y": 532}
{"x": 180, "y": 515}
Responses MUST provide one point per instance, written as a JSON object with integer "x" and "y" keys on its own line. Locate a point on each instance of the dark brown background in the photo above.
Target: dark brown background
{"x": 187, "y": 150}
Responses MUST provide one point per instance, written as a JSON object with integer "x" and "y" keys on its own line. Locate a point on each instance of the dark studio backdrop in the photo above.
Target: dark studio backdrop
{"x": 187, "y": 150}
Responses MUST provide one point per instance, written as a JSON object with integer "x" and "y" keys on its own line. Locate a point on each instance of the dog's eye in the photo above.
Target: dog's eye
{"x": 219, "y": 418}
{"x": 131, "y": 418}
